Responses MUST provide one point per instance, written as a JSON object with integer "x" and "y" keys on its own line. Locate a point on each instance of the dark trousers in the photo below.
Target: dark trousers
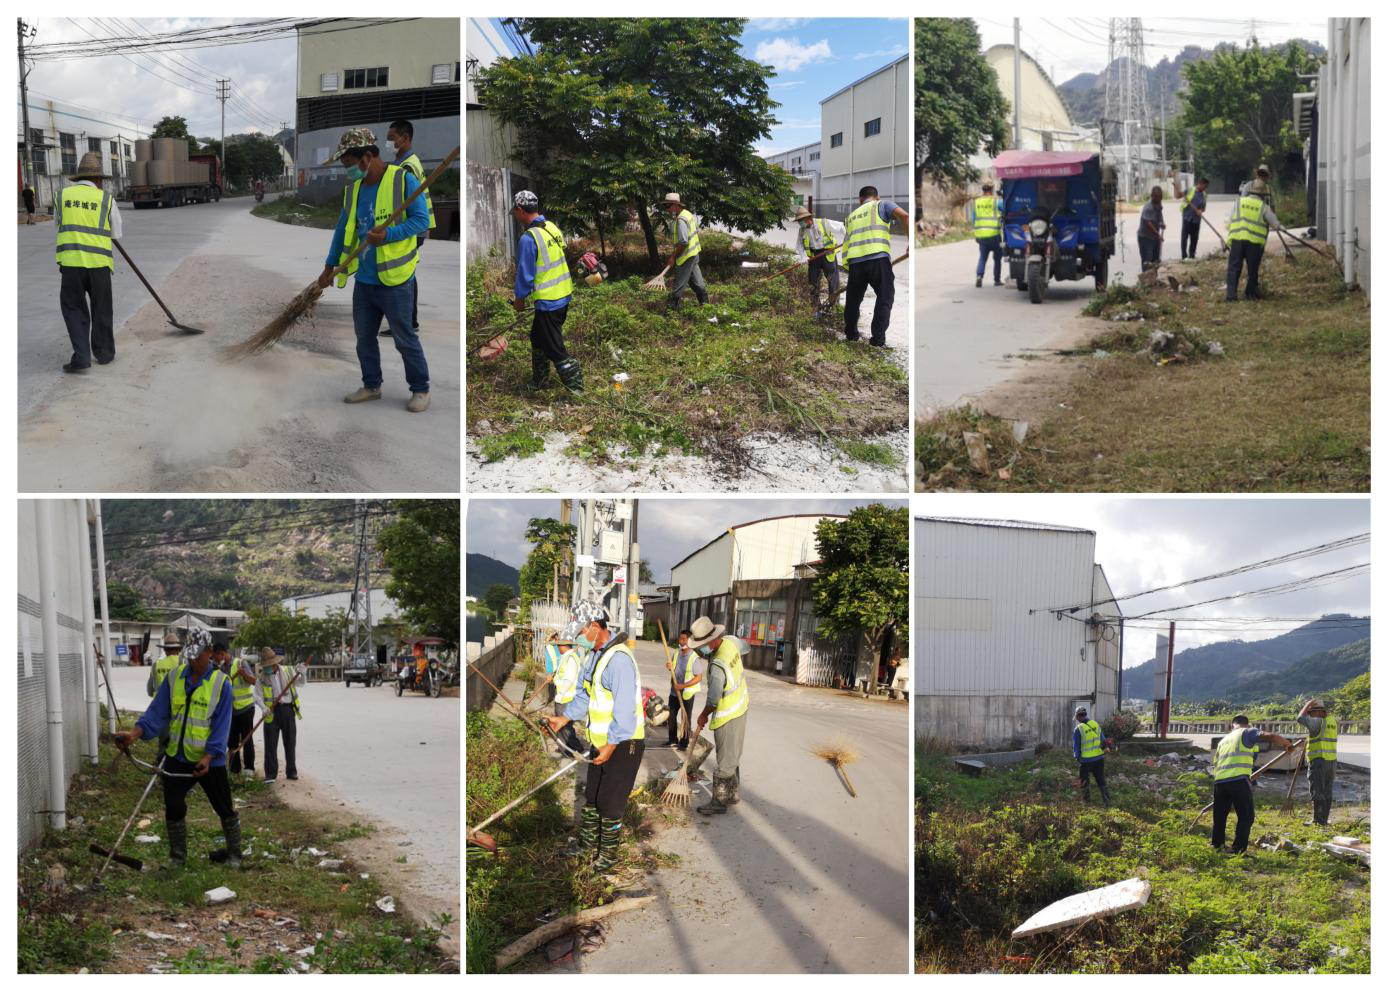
{"x": 90, "y": 329}
{"x": 215, "y": 786}
{"x": 241, "y": 724}
{"x": 1095, "y": 770}
{"x": 610, "y": 783}
{"x": 1236, "y": 794}
{"x": 282, "y": 727}
{"x": 875, "y": 272}
{"x": 28, "y": 202}
{"x": 1191, "y": 233}
{"x": 1149, "y": 252}
{"x": 676, "y": 704}
{"x": 1321, "y": 777}
{"x": 1245, "y": 254}
{"x": 827, "y": 267}
{"x": 990, "y": 246}
{"x": 547, "y": 334}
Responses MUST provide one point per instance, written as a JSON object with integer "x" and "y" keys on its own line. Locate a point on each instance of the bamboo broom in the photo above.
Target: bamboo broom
{"x": 678, "y": 791}
{"x": 302, "y": 305}
{"x": 838, "y": 754}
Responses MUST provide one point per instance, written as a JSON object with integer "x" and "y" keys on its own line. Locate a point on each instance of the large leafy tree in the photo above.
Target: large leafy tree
{"x": 1238, "y": 107}
{"x": 861, "y": 587}
{"x": 549, "y": 540}
{"x": 421, "y": 549}
{"x": 175, "y": 127}
{"x": 959, "y": 107}
{"x": 124, "y": 601}
{"x": 612, "y": 113}
{"x": 302, "y": 637}
{"x": 497, "y": 596}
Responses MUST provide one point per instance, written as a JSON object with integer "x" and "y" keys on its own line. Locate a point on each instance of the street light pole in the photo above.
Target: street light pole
{"x": 28, "y": 165}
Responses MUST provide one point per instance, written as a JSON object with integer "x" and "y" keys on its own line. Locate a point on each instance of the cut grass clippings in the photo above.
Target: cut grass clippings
{"x": 68, "y": 922}
{"x": 697, "y": 383}
{"x": 991, "y": 851}
{"x": 1285, "y": 408}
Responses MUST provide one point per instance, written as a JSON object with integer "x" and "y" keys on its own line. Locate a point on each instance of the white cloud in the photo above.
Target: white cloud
{"x": 789, "y": 84}
{"x": 789, "y": 55}
{"x": 897, "y": 51}
{"x": 775, "y": 23}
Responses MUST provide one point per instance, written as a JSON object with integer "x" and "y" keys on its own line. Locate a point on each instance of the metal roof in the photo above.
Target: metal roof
{"x": 781, "y": 516}
{"x": 1012, "y": 524}
{"x": 861, "y": 79}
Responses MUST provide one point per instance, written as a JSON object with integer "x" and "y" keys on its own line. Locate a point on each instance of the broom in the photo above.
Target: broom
{"x": 678, "y": 792}
{"x": 838, "y": 754}
{"x": 302, "y": 305}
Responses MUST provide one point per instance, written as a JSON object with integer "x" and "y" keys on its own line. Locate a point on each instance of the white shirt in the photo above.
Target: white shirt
{"x": 836, "y": 231}
{"x": 115, "y": 211}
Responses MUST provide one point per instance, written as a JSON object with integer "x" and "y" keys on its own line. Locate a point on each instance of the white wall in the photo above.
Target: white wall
{"x": 880, "y": 160}
{"x": 771, "y": 549}
{"x": 408, "y": 48}
{"x": 382, "y": 606}
{"x": 706, "y": 572}
{"x": 1344, "y": 122}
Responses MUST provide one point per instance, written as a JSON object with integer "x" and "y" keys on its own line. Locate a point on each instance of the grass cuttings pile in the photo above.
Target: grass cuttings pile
{"x": 1282, "y": 405}
{"x": 991, "y": 851}
{"x": 700, "y": 382}
{"x": 529, "y": 880}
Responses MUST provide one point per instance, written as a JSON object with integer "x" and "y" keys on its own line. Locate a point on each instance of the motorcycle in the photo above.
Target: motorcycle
{"x": 408, "y": 676}
{"x": 260, "y": 195}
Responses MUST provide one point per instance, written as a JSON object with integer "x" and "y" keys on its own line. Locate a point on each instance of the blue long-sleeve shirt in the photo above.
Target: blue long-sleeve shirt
{"x": 620, "y": 679}
{"x": 156, "y": 718}
{"x": 416, "y": 223}
{"x": 527, "y": 251}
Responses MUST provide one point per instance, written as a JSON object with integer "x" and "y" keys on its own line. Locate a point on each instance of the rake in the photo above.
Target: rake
{"x": 657, "y": 281}
{"x": 1301, "y": 760}
{"x": 838, "y": 754}
{"x": 678, "y": 791}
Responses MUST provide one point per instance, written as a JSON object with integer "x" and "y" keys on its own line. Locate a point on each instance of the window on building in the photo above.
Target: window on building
{"x": 796, "y": 160}
{"x": 115, "y": 150}
{"x": 761, "y": 621}
{"x": 875, "y": 126}
{"x": 457, "y": 68}
{"x": 37, "y": 153}
{"x": 837, "y": 139}
{"x": 328, "y": 82}
{"x": 815, "y": 156}
{"x": 440, "y": 74}
{"x": 68, "y": 144}
{"x": 94, "y": 145}
{"x": 364, "y": 79}
{"x": 127, "y": 152}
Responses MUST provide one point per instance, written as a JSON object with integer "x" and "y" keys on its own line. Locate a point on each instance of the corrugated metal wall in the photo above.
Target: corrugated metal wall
{"x": 32, "y": 748}
{"x": 706, "y": 572}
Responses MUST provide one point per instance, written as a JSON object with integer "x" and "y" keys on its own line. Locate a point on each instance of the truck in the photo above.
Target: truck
{"x": 205, "y": 188}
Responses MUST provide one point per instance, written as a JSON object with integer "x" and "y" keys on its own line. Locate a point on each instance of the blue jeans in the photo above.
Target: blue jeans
{"x": 371, "y": 302}
{"x": 989, "y": 246}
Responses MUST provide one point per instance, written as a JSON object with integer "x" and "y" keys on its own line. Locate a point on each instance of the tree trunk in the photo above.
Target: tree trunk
{"x": 650, "y": 233}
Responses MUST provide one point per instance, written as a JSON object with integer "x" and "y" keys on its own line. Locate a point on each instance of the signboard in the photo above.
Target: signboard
{"x": 622, "y": 510}
{"x": 122, "y": 649}
{"x": 620, "y": 575}
{"x": 612, "y": 548}
{"x": 583, "y": 561}
{"x": 1160, "y": 668}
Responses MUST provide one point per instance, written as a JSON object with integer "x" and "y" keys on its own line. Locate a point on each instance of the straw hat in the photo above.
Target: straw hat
{"x": 672, "y": 198}
{"x": 268, "y": 656}
{"x": 703, "y": 630}
{"x": 803, "y": 214}
{"x": 90, "y": 167}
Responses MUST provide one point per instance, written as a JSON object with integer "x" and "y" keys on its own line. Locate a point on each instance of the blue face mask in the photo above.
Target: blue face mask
{"x": 356, "y": 174}
{"x": 584, "y": 642}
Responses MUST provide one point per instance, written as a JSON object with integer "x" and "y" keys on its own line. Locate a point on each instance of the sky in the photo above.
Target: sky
{"x": 1145, "y": 543}
{"x": 177, "y": 82}
{"x": 1067, "y": 46}
{"x": 668, "y": 529}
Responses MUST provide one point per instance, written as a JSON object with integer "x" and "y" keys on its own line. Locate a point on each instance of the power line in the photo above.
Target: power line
{"x": 1336, "y": 575}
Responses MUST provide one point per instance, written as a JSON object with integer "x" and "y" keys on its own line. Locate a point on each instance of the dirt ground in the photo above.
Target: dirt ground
{"x": 170, "y": 414}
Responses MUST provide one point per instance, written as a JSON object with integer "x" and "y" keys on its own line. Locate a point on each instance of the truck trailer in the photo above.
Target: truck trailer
{"x": 199, "y": 180}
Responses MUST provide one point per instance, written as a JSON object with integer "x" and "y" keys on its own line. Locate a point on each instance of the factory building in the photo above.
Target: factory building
{"x": 803, "y": 164}
{"x": 60, "y": 133}
{"x": 865, "y": 131}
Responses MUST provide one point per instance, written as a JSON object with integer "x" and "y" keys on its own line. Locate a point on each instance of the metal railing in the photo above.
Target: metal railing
{"x": 1343, "y": 727}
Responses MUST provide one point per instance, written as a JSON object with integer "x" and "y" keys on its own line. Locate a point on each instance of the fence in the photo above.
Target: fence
{"x": 547, "y": 618}
{"x": 1216, "y": 728}
{"x": 495, "y": 661}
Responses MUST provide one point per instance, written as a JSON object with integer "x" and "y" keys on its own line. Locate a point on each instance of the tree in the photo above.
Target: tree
{"x": 644, "y": 572}
{"x": 124, "y": 602}
{"x": 959, "y": 107}
{"x": 497, "y": 596}
{"x": 861, "y": 586}
{"x": 1215, "y": 707}
{"x": 175, "y": 127}
{"x": 421, "y": 549}
{"x": 1238, "y": 106}
{"x": 302, "y": 637}
{"x": 248, "y": 158}
{"x": 612, "y": 113}
{"x": 549, "y": 540}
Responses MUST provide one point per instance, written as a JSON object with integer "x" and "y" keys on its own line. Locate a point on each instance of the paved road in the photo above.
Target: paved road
{"x": 1351, "y": 749}
{"x": 799, "y": 877}
{"x": 969, "y": 340}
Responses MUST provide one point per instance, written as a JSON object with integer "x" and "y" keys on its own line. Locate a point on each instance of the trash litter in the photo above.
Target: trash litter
{"x": 218, "y": 895}
{"x": 147, "y": 838}
{"x": 620, "y": 377}
{"x": 331, "y": 864}
{"x": 386, "y": 904}
{"x": 1215, "y": 348}
{"x": 713, "y": 320}
{"x": 1132, "y": 893}
{"x": 978, "y": 451}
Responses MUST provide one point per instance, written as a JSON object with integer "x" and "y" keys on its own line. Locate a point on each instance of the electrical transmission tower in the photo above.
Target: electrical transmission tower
{"x": 359, "y": 610}
{"x": 1126, "y": 94}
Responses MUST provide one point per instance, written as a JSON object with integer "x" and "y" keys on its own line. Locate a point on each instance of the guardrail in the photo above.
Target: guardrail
{"x": 1343, "y": 727}
{"x": 495, "y": 660}
{"x": 325, "y": 673}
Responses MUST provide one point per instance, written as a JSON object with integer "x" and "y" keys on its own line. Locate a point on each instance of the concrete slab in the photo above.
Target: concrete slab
{"x": 1132, "y": 893}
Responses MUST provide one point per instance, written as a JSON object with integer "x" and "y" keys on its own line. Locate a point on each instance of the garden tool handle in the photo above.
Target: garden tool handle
{"x": 141, "y": 276}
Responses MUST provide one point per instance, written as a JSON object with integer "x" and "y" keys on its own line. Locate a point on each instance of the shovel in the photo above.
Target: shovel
{"x": 1216, "y": 231}
{"x": 167, "y": 312}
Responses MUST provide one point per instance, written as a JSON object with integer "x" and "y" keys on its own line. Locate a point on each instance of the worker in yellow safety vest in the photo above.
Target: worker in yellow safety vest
{"x": 986, "y": 218}
{"x": 193, "y": 707}
{"x": 87, "y": 223}
{"x": 543, "y": 279}
{"x": 1087, "y": 744}
{"x": 385, "y": 285}
{"x": 241, "y": 743}
{"x": 401, "y": 136}
{"x": 1193, "y": 209}
{"x": 608, "y": 700}
{"x": 684, "y": 259}
{"x": 725, "y": 709}
{"x": 868, "y": 252}
{"x": 686, "y": 674}
{"x": 1232, "y": 766}
{"x": 1321, "y": 758}
{"x": 1250, "y": 223}
{"x": 817, "y": 238}
{"x": 281, "y": 718}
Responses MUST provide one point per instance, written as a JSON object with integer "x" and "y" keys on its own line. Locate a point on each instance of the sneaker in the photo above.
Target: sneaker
{"x": 362, "y": 395}
{"x": 978, "y": 281}
{"x": 419, "y": 402}
{"x": 69, "y": 367}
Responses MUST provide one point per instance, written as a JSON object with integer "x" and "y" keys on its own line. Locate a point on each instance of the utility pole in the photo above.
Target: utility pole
{"x": 1167, "y": 700}
{"x": 1017, "y": 83}
{"x": 223, "y": 92}
{"x": 25, "y": 31}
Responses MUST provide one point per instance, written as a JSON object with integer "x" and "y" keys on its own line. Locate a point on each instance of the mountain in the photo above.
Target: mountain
{"x": 1212, "y": 670}
{"x": 482, "y": 571}
{"x": 1317, "y": 673}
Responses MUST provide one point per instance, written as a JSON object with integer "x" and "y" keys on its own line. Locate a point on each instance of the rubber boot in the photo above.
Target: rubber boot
{"x": 231, "y": 854}
{"x": 730, "y": 797}
{"x": 178, "y": 841}
{"x": 540, "y": 370}
{"x": 609, "y": 844}
{"x": 672, "y": 307}
{"x": 717, "y": 804}
{"x": 571, "y": 375}
{"x": 590, "y": 824}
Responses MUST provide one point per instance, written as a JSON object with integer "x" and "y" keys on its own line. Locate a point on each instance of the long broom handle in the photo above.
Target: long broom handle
{"x": 134, "y": 268}
{"x": 399, "y": 211}
{"x": 542, "y": 728}
{"x": 665, "y": 646}
{"x": 1308, "y": 244}
{"x": 133, "y": 814}
{"x": 1223, "y": 245}
{"x": 520, "y": 799}
{"x": 268, "y": 710}
{"x": 793, "y": 268}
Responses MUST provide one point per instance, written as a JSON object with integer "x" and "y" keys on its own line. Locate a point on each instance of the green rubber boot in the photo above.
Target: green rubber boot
{"x": 231, "y": 854}
{"x": 609, "y": 844}
{"x": 178, "y": 841}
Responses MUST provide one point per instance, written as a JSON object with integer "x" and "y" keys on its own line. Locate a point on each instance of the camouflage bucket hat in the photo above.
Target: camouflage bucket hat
{"x": 353, "y": 137}
{"x": 198, "y": 641}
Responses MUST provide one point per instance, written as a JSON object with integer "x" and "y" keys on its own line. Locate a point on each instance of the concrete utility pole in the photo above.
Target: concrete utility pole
{"x": 25, "y": 31}
{"x": 1167, "y": 700}
{"x": 223, "y": 93}
{"x": 1017, "y": 83}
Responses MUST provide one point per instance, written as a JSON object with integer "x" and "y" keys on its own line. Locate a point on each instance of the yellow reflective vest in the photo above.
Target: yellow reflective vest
{"x": 689, "y": 671}
{"x": 412, "y": 162}
{"x": 692, "y": 249}
{"x": 552, "y": 280}
{"x": 1323, "y": 745}
{"x": 191, "y": 738}
{"x": 267, "y": 695}
{"x": 1249, "y": 222}
{"x": 84, "y": 228}
{"x": 243, "y": 692}
{"x": 987, "y": 222}
{"x": 826, "y": 239}
{"x": 601, "y": 703}
{"x": 734, "y": 701}
{"x": 866, "y": 233}
{"x": 567, "y": 676}
{"x": 395, "y": 260}
{"x": 1091, "y": 741}
{"x": 1232, "y": 758}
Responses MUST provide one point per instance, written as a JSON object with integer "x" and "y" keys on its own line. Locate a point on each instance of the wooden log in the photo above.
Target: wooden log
{"x": 519, "y": 948}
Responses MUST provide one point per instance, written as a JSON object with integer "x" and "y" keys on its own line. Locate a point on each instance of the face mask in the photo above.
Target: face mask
{"x": 704, "y": 652}
{"x": 584, "y": 642}
{"x": 356, "y": 174}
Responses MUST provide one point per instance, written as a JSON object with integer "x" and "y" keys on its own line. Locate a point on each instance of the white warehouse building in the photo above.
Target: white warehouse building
{"x": 1015, "y": 627}
{"x": 865, "y": 131}
{"x": 319, "y": 605}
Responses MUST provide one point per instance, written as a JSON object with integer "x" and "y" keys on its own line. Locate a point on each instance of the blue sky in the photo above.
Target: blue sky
{"x": 813, "y": 57}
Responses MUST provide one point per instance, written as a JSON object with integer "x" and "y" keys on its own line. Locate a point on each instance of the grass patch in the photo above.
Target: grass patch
{"x": 1285, "y": 408}
{"x": 955, "y": 232}
{"x": 75, "y": 924}
{"x": 291, "y": 210}
{"x": 698, "y": 383}
{"x": 991, "y": 851}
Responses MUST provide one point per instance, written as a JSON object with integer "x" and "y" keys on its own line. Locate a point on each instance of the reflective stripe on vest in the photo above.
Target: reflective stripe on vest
{"x": 412, "y": 162}
{"x": 84, "y": 228}
{"x": 200, "y": 705}
{"x": 567, "y": 676}
{"x": 267, "y": 695}
{"x": 1091, "y": 741}
{"x": 601, "y": 702}
{"x": 689, "y": 664}
{"x": 243, "y": 693}
{"x": 164, "y": 666}
{"x": 826, "y": 238}
{"x": 1232, "y": 758}
{"x": 734, "y": 701}
{"x": 987, "y": 223}
{"x": 1248, "y": 224}
{"x": 1323, "y": 745}
{"x": 1186, "y": 200}
{"x": 866, "y": 233}
{"x": 552, "y": 281}
{"x": 693, "y": 248}
{"x": 395, "y": 261}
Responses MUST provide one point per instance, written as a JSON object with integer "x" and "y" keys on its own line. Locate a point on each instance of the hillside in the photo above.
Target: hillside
{"x": 229, "y": 553}
{"x": 1320, "y": 672}
{"x": 1211, "y": 671}
{"x": 482, "y": 571}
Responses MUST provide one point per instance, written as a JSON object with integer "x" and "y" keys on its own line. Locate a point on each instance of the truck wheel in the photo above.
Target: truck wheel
{"x": 1036, "y": 285}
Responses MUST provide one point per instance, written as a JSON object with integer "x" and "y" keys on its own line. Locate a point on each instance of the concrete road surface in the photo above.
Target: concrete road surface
{"x": 1351, "y": 749}
{"x": 170, "y": 414}
{"x": 969, "y": 340}
{"x": 798, "y": 877}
